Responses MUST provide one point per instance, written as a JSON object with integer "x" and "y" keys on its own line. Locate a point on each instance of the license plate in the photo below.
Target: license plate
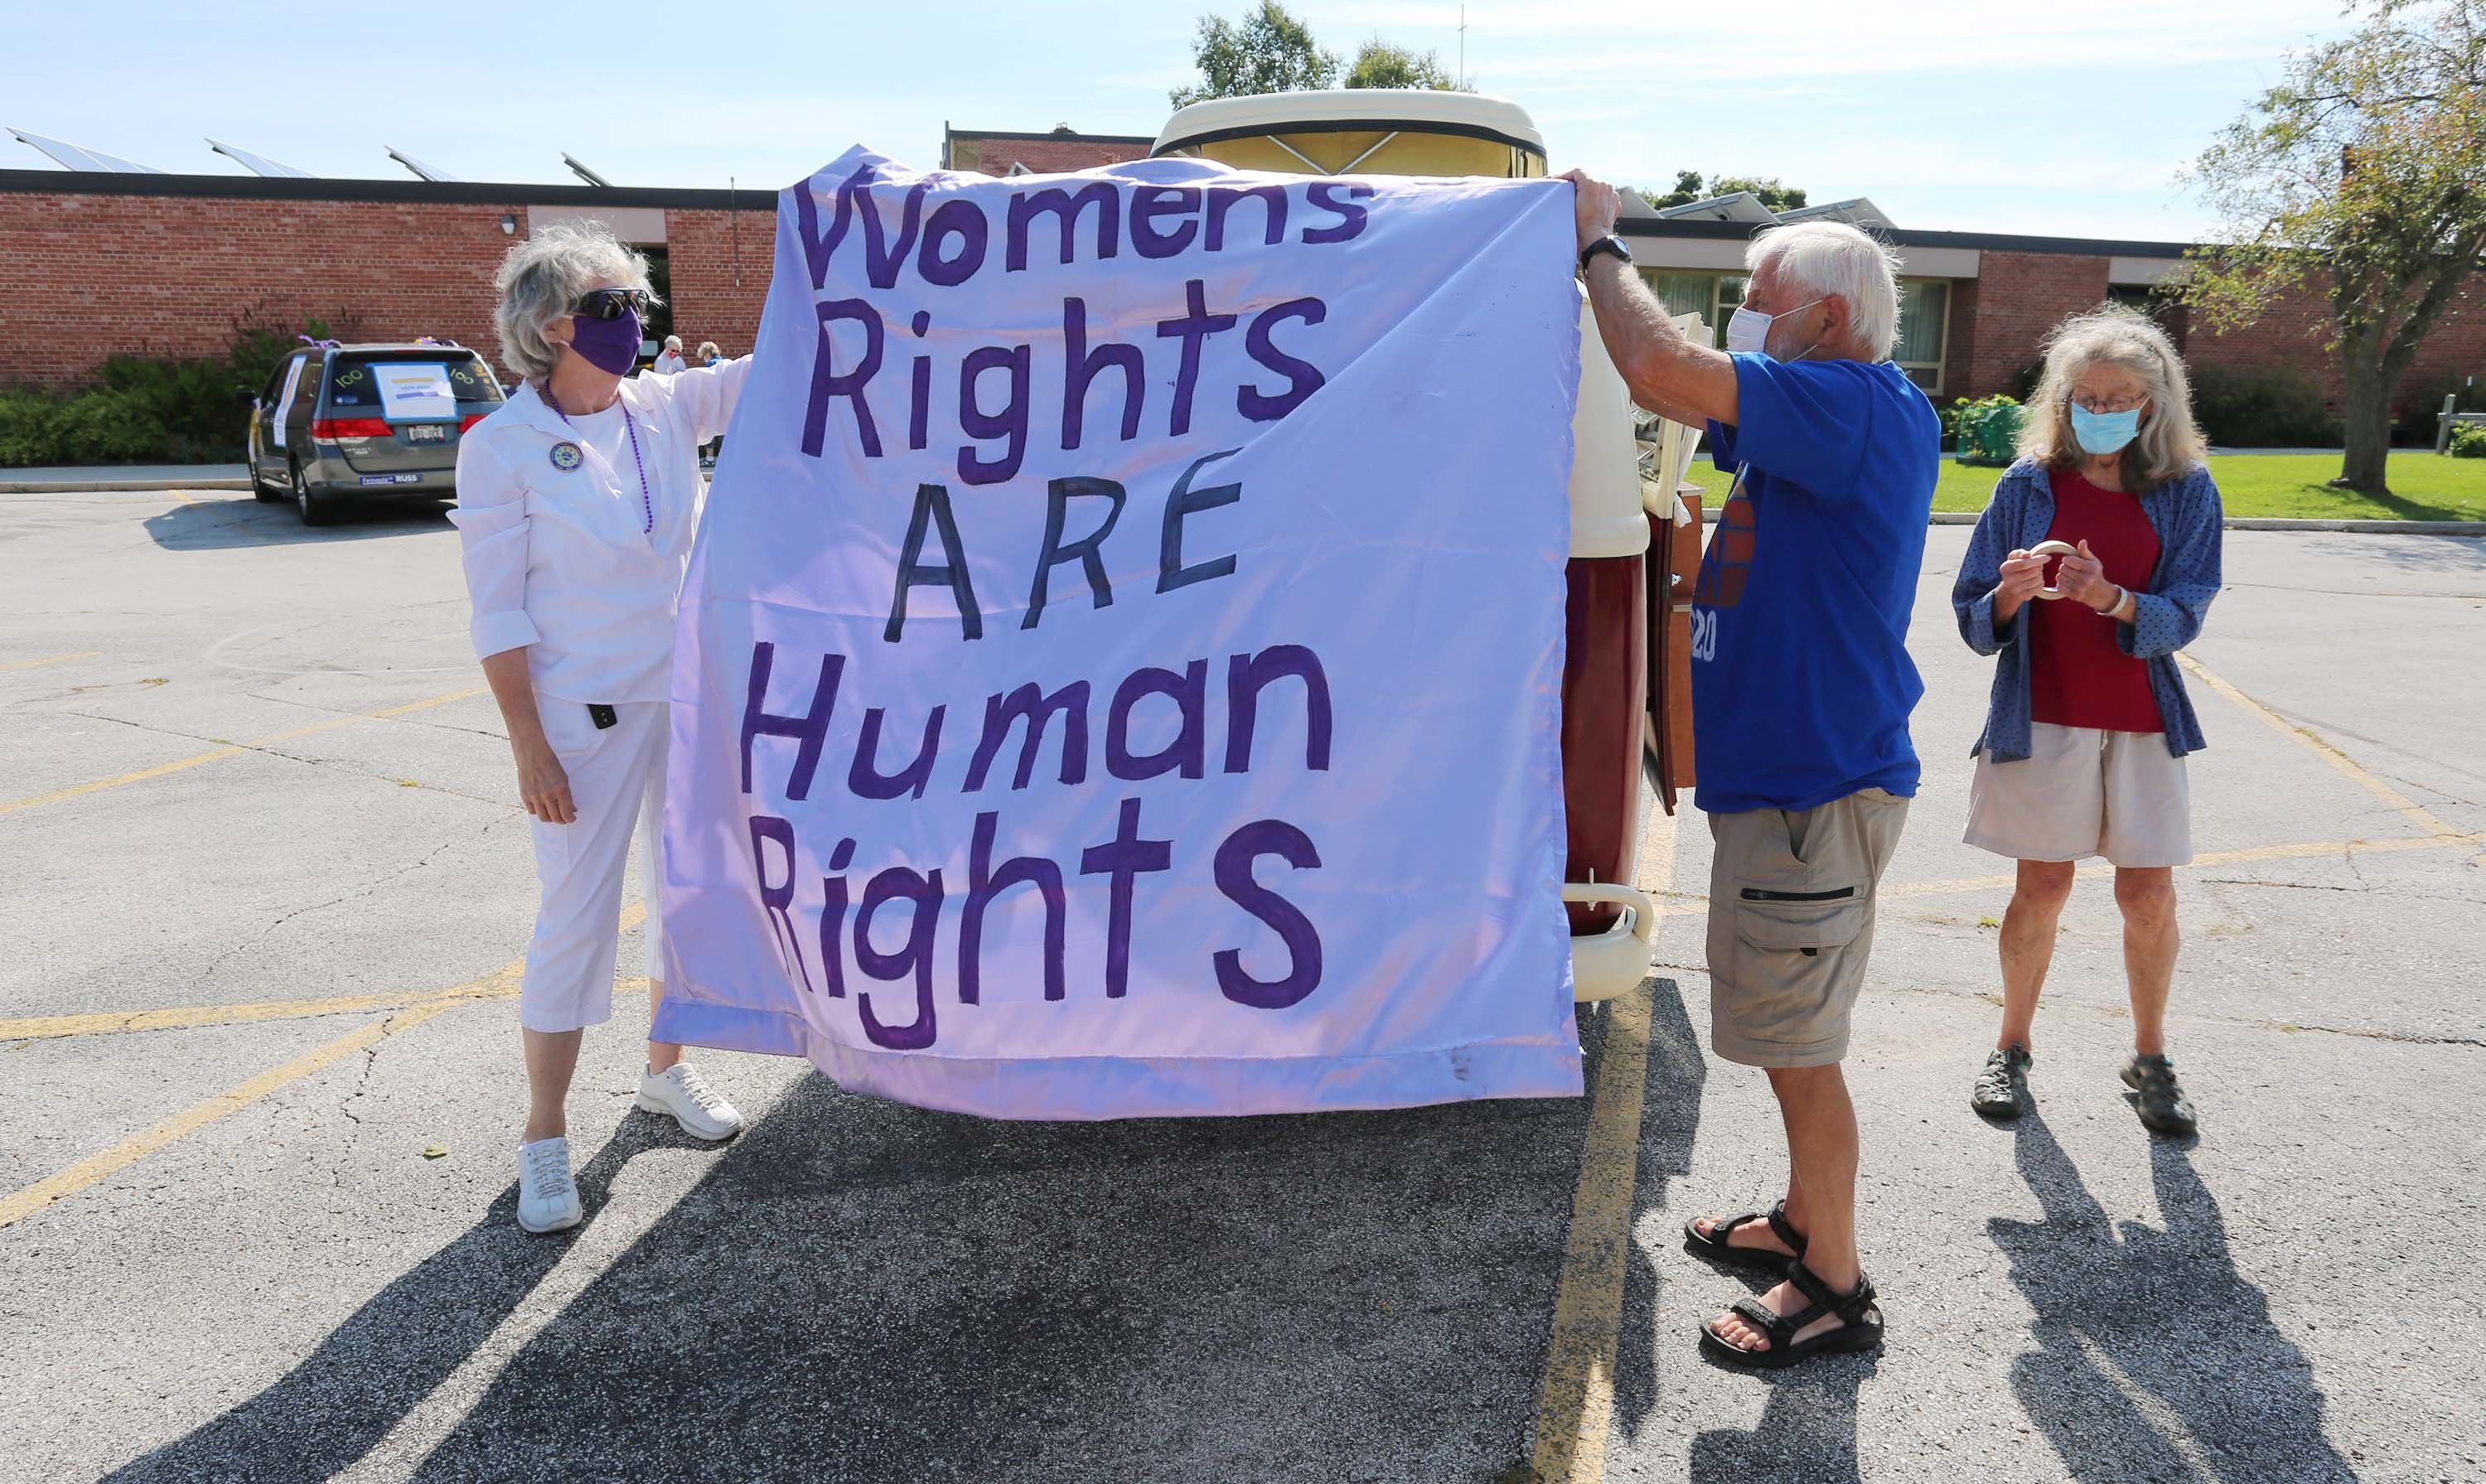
{"x": 390, "y": 479}
{"x": 427, "y": 432}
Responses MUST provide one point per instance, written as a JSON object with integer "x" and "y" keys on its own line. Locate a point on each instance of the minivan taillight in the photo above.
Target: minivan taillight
{"x": 329, "y": 429}
{"x": 470, "y": 420}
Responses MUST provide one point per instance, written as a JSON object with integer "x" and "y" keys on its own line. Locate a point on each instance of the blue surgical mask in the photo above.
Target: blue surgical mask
{"x": 1747, "y": 330}
{"x": 2100, "y": 434}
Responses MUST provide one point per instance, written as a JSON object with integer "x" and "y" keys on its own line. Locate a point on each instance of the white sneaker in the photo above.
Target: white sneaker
{"x": 683, "y": 1095}
{"x": 547, "y": 1196}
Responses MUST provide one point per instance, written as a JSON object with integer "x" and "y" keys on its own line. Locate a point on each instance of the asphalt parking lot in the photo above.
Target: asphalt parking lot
{"x": 266, "y": 888}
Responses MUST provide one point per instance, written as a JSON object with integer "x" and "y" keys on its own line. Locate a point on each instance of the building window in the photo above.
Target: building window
{"x": 1924, "y": 318}
{"x": 1713, "y": 296}
{"x": 1685, "y": 293}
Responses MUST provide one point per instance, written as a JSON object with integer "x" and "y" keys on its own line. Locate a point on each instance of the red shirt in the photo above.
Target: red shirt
{"x": 2078, "y": 674}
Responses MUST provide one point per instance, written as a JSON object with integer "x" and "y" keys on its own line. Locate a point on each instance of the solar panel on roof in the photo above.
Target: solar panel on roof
{"x": 261, "y": 164}
{"x": 419, "y": 167}
{"x": 77, "y": 158}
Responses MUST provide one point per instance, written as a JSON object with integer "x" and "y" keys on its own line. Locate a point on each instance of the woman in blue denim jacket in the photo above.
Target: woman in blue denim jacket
{"x": 2084, "y": 740}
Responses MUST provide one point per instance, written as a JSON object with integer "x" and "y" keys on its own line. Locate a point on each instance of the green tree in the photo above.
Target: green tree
{"x": 1773, "y": 194}
{"x": 2361, "y": 178}
{"x": 1267, "y": 51}
{"x": 1380, "y": 64}
{"x": 1688, "y": 188}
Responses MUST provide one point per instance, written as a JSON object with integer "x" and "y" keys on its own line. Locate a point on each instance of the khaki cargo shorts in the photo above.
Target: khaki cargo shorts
{"x": 1791, "y": 906}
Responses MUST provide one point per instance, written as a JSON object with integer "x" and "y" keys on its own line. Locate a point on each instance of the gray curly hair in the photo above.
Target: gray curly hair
{"x": 543, "y": 277}
{"x": 2170, "y": 444}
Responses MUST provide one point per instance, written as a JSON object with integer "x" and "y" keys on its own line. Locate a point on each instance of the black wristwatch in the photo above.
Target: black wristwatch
{"x": 1608, "y": 243}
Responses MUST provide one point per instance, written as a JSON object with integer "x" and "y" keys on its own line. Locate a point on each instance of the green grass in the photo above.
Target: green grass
{"x": 2424, "y": 486}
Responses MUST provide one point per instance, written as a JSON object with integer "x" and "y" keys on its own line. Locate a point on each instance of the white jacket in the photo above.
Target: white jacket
{"x": 553, "y": 536}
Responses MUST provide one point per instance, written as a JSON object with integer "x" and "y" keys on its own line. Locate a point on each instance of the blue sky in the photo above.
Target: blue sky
{"x": 2059, "y": 118}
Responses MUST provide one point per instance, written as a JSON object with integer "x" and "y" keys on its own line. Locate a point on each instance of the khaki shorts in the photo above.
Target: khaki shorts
{"x": 2082, "y": 792}
{"x": 1791, "y": 907}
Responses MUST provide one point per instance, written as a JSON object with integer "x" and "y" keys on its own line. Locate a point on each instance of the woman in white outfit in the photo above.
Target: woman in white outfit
{"x": 576, "y": 501}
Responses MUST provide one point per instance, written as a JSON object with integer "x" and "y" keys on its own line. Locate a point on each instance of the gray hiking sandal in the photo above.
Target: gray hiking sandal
{"x": 2001, "y": 1089}
{"x": 2163, "y": 1104}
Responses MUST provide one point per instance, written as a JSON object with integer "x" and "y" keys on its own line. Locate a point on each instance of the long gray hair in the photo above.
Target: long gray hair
{"x": 2170, "y": 445}
{"x": 543, "y": 277}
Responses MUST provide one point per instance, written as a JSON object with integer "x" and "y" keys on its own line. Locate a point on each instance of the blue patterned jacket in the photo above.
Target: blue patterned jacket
{"x": 2168, "y": 616}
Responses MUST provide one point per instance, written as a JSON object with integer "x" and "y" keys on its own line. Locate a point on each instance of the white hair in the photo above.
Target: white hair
{"x": 673, "y": 342}
{"x": 542, "y": 278}
{"x": 1831, "y": 257}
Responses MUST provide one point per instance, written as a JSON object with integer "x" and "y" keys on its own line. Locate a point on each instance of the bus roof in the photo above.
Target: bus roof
{"x": 1352, "y": 110}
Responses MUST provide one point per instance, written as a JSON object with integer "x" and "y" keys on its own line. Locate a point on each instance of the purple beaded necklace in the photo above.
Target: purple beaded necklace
{"x": 647, "y": 503}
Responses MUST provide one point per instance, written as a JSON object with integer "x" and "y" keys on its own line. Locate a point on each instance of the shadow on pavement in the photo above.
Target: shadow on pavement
{"x": 2157, "y": 1361}
{"x": 860, "y": 1291}
{"x": 242, "y": 521}
{"x": 1669, "y": 1119}
{"x": 2453, "y": 553}
{"x": 370, "y": 1371}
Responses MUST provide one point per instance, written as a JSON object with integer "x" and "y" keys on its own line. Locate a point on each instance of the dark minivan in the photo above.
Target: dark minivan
{"x": 345, "y": 422}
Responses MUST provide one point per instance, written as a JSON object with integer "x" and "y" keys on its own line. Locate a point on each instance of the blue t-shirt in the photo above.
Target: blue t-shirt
{"x": 1801, "y": 681}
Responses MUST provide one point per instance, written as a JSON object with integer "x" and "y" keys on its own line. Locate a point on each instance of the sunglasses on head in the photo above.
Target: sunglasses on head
{"x": 610, "y": 303}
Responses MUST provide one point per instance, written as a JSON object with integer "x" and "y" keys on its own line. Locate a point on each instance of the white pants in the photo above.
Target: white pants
{"x": 617, "y": 784}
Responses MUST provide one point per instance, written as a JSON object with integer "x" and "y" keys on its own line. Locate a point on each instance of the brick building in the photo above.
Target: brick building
{"x": 167, "y": 265}
{"x": 999, "y": 152}
{"x": 1974, "y": 306}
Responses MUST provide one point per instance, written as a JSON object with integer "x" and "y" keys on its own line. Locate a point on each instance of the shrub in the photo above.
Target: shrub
{"x": 146, "y": 410}
{"x": 2420, "y": 403}
{"x": 2468, "y": 442}
{"x": 2262, "y": 408}
{"x": 1984, "y": 430}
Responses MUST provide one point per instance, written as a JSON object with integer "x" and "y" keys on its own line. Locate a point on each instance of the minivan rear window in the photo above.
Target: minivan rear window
{"x": 353, "y": 385}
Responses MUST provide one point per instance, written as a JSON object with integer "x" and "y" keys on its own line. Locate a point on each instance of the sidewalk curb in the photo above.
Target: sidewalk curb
{"x": 112, "y": 487}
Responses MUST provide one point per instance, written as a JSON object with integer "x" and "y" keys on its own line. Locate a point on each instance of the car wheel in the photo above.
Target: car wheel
{"x": 315, "y": 509}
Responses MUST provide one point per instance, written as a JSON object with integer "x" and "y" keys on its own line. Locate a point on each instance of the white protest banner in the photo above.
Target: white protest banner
{"x": 1119, "y": 666}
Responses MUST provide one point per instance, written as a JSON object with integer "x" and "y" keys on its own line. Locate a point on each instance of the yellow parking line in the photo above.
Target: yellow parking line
{"x": 198, "y": 1115}
{"x": 501, "y": 983}
{"x": 234, "y": 750}
{"x": 57, "y": 659}
{"x": 1575, "y": 1402}
{"x": 2314, "y": 742}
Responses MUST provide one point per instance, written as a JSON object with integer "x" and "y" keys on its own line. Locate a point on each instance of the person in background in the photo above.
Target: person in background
{"x": 2089, "y": 726}
{"x": 709, "y": 355}
{"x": 576, "y": 501}
{"x": 1800, "y": 688}
{"x": 670, "y": 360}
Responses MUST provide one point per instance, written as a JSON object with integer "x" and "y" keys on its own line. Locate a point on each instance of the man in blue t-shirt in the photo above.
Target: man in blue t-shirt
{"x": 1800, "y": 690}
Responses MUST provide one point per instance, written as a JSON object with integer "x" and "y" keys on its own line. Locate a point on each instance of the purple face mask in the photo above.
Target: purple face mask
{"x": 610, "y": 346}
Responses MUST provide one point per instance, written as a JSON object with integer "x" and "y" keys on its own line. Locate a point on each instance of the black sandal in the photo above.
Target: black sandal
{"x": 1862, "y": 1330}
{"x": 1714, "y": 1245}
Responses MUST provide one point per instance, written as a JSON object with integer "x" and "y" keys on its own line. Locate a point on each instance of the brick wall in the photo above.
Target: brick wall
{"x": 89, "y": 276}
{"x": 2017, "y": 298}
{"x": 1999, "y": 319}
{"x": 1043, "y": 156}
{"x": 707, "y": 304}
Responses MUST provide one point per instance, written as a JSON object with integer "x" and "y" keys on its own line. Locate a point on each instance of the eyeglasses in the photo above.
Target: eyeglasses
{"x": 610, "y": 303}
{"x": 2111, "y": 403}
